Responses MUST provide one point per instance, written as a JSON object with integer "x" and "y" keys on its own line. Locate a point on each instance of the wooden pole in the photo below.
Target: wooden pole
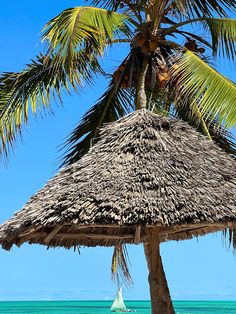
{"x": 166, "y": 298}
{"x": 159, "y": 291}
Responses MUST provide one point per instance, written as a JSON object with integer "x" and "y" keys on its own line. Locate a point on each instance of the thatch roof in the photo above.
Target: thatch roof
{"x": 145, "y": 170}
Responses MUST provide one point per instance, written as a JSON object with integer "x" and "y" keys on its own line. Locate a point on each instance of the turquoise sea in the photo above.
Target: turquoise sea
{"x": 103, "y": 307}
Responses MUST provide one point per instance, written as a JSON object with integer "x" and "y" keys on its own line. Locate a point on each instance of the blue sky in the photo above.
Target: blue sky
{"x": 196, "y": 269}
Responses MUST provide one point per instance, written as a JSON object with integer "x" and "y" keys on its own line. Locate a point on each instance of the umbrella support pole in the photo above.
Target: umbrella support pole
{"x": 159, "y": 291}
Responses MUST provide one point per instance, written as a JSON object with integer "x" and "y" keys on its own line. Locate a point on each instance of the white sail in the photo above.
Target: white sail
{"x": 118, "y": 304}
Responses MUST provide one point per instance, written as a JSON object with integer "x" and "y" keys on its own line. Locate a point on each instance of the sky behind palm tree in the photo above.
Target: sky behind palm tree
{"x": 201, "y": 269}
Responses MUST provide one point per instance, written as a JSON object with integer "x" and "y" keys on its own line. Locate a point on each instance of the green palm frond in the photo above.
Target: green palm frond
{"x": 215, "y": 95}
{"x": 159, "y": 101}
{"x": 113, "y": 104}
{"x": 119, "y": 266}
{"x": 33, "y": 88}
{"x": 87, "y": 28}
{"x": 163, "y": 103}
{"x": 223, "y": 33}
{"x": 211, "y": 128}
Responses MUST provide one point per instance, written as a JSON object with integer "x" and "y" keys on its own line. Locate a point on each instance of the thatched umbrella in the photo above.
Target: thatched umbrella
{"x": 148, "y": 179}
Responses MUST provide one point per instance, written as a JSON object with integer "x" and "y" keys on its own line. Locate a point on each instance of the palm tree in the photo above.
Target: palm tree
{"x": 169, "y": 69}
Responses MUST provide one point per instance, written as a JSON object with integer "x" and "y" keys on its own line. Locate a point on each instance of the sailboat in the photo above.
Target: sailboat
{"x": 118, "y": 305}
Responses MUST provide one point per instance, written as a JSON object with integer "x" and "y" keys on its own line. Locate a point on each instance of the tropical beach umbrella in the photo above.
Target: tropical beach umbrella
{"x": 148, "y": 179}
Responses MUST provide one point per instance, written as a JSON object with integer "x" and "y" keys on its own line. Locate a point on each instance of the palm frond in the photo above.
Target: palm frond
{"x": 223, "y": 33}
{"x": 87, "y": 28}
{"x": 160, "y": 101}
{"x": 32, "y": 89}
{"x": 119, "y": 266}
{"x": 196, "y": 80}
{"x": 112, "y": 5}
{"x": 229, "y": 238}
{"x": 116, "y": 102}
{"x": 194, "y": 36}
{"x": 223, "y": 137}
{"x": 163, "y": 103}
{"x": 209, "y": 8}
{"x": 189, "y": 7}
{"x": 211, "y": 128}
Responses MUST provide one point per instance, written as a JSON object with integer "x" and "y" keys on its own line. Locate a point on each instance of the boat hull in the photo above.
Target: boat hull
{"x": 123, "y": 311}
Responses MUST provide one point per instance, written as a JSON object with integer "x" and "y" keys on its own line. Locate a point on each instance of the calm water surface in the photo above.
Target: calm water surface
{"x": 103, "y": 307}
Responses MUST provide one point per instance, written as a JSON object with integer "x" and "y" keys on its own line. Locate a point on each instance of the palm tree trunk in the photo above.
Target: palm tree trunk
{"x": 159, "y": 291}
{"x": 141, "y": 94}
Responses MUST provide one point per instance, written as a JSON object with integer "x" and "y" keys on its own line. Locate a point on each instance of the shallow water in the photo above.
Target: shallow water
{"x": 103, "y": 307}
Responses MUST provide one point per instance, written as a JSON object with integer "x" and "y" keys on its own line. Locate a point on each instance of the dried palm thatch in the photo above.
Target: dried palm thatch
{"x": 146, "y": 170}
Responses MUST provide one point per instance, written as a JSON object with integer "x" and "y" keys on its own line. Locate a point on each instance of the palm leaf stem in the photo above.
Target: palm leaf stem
{"x": 171, "y": 29}
{"x": 158, "y": 9}
{"x": 200, "y": 39}
{"x": 201, "y": 119}
{"x": 135, "y": 12}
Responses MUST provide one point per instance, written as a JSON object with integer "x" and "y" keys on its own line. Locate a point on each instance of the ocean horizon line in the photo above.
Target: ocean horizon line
{"x": 104, "y": 307}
